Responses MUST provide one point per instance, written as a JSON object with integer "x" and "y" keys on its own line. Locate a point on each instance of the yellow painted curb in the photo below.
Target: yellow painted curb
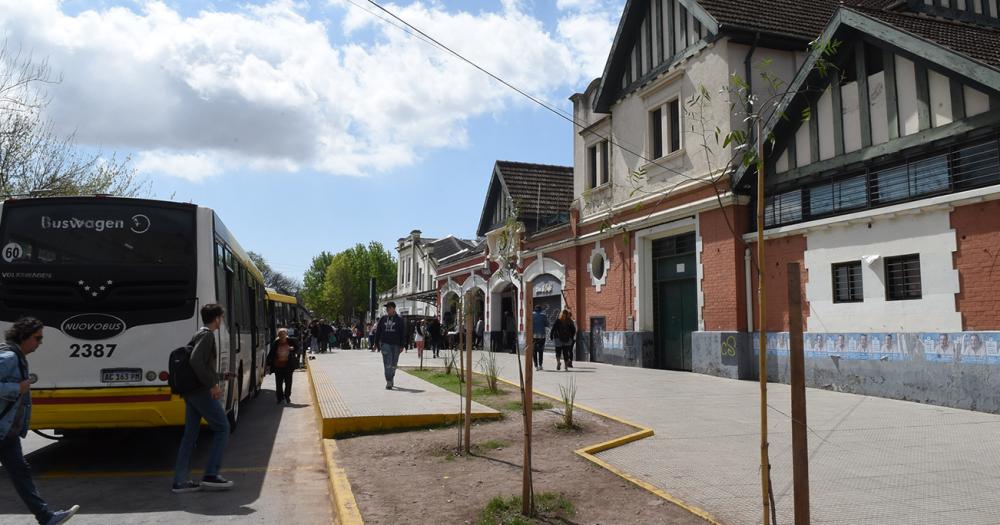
{"x": 348, "y": 512}
{"x": 345, "y": 507}
{"x": 642, "y": 433}
{"x": 341, "y": 426}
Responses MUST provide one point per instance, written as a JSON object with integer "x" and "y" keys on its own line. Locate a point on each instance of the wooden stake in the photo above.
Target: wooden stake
{"x": 800, "y": 444}
{"x": 468, "y": 372}
{"x": 761, "y": 300}
{"x": 527, "y": 501}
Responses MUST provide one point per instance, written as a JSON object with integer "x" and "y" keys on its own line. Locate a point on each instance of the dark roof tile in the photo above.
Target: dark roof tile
{"x": 537, "y": 189}
{"x": 979, "y": 43}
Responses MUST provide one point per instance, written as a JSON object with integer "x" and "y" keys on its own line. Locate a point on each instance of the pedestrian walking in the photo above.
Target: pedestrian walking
{"x": 564, "y": 335}
{"x": 325, "y": 335}
{"x": 371, "y": 337}
{"x": 23, "y": 338}
{"x": 539, "y": 328}
{"x": 418, "y": 339}
{"x": 480, "y": 328}
{"x": 203, "y": 402}
{"x": 282, "y": 359}
{"x": 434, "y": 333}
{"x": 390, "y": 335}
{"x": 509, "y": 332}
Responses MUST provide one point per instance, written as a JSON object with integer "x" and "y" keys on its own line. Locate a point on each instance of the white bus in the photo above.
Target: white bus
{"x": 119, "y": 284}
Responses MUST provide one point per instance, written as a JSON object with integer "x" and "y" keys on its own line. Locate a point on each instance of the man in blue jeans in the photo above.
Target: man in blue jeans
{"x": 390, "y": 334}
{"x": 23, "y": 338}
{"x": 204, "y": 403}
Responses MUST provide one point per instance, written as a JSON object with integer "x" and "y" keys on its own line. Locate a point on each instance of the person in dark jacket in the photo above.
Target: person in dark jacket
{"x": 539, "y": 328}
{"x": 564, "y": 333}
{"x": 434, "y": 336}
{"x": 23, "y": 338}
{"x": 390, "y": 336}
{"x": 204, "y": 403}
{"x": 282, "y": 359}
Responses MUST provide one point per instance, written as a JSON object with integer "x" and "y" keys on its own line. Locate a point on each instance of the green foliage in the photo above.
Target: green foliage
{"x": 517, "y": 406}
{"x": 336, "y": 285}
{"x": 549, "y": 507}
{"x": 345, "y": 282}
{"x": 312, "y": 285}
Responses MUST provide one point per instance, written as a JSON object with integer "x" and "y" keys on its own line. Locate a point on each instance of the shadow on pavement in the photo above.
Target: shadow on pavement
{"x": 130, "y": 471}
{"x": 408, "y": 390}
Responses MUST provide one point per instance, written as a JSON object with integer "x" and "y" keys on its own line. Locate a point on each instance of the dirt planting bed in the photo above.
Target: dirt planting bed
{"x": 421, "y": 477}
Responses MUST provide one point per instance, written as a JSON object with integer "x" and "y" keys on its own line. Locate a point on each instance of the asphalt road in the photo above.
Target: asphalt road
{"x": 274, "y": 457}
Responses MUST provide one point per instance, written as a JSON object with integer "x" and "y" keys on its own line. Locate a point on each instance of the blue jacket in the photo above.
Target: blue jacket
{"x": 10, "y": 389}
{"x": 539, "y": 324}
{"x": 391, "y": 330}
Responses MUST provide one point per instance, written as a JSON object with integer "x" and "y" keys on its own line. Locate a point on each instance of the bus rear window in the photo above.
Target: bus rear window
{"x": 96, "y": 233}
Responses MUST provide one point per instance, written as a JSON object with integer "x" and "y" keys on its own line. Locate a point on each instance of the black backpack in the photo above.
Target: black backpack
{"x": 182, "y": 379}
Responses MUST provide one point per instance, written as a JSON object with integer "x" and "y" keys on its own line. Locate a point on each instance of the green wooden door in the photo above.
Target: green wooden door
{"x": 675, "y": 301}
{"x": 678, "y": 309}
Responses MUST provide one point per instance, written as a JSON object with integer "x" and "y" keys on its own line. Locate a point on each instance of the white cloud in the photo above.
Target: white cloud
{"x": 264, "y": 88}
{"x": 191, "y": 166}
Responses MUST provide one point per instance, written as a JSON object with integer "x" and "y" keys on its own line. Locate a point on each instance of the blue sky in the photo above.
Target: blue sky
{"x": 314, "y": 126}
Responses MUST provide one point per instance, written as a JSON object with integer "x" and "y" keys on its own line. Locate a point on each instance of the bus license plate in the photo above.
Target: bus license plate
{"x": 121, "y": 375}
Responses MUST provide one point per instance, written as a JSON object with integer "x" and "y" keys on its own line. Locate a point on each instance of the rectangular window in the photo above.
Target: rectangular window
{"x": 658, "y": 15}
{"x": 902, "y": 277}
{"x": 605, "y": 162}
{"x": 592, "y": 167}
{"x": 656, "y": 133}
{"x": 847, "y": 287}
{"x": 675, "y": 125}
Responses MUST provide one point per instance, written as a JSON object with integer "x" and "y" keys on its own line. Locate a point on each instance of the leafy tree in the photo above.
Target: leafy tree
{"x": 345, "y": 283}
{"x": 273, "y": 278}
{"x": 34, "y": 160}
{"x": 312, "y": 285}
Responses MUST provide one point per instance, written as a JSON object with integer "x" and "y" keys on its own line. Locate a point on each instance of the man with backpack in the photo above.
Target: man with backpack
{"x": 202, "y": 401}
{"x": 23, "y": 338}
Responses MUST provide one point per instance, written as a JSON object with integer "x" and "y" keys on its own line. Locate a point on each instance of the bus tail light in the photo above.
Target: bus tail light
{"x": 164, "y": 376}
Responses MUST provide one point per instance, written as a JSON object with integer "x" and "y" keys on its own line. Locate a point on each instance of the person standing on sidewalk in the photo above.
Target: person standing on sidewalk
{"x": 282, "y": 359}
{"x": 23, "y": 338}
{"x": 564, "y": 333}
{"x": 204, "y": 403}
{"x": 434, "y": 335}
{"x": 539, "y": 328}
{"x": 480, "y": 328}
{"x": 390, "y": 335}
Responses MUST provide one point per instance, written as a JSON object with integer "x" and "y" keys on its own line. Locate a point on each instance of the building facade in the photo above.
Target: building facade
{"x": 882, "y": 179}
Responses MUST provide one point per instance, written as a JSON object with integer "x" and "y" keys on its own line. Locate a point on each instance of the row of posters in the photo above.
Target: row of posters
{"x": 967, "y": 347}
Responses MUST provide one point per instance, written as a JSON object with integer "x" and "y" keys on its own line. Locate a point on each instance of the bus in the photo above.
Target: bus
{"x": 119, "y": 283}
{"x": 282, "y": 310}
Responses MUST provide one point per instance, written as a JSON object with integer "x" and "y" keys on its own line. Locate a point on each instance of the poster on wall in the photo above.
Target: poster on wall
{"x": 980, "y": 347}
{"x": 941, "y": 347}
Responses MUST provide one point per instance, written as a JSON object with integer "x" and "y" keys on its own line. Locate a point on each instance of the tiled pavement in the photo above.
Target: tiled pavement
{"x": 872, "y": 460}
{"x": 350, "y": 389}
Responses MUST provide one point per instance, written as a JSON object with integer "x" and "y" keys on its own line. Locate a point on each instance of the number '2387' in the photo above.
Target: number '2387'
{"x": 89, "y": 350}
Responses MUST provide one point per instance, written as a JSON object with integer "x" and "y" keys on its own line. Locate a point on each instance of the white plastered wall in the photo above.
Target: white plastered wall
{"x": 928, "y": 233}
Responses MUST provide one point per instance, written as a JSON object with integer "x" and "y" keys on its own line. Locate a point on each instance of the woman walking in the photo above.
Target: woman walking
{"x": 283, "y": 360}
{"x": 564, "y": 333}
{"x": 418, "y": 339}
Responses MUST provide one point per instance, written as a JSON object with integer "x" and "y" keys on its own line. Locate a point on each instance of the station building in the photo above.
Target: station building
{"x": 882, "y": 181}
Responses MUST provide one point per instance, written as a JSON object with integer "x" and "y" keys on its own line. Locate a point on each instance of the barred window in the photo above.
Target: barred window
{"x": 902, "y": 277}
{"x": 847, "y": 286}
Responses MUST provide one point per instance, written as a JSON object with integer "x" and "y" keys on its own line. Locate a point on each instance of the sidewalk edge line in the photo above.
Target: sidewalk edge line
{"x": 345, "y": 506}
{"x": 642, "y": 433}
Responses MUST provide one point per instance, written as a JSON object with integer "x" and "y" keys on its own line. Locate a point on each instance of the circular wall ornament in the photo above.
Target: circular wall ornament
{"x": 598, "y": 266}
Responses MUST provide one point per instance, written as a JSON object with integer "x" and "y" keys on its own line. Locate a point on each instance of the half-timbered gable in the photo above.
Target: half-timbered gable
{"x": 899, "y": 113}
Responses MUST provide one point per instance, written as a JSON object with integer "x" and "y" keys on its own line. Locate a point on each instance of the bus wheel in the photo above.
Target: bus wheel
{"x": 234, "y": 414}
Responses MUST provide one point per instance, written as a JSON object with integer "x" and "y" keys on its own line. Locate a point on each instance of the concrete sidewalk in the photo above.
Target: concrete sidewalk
{"x": 350, "y": 390}
{"x": 872, "y": 460}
